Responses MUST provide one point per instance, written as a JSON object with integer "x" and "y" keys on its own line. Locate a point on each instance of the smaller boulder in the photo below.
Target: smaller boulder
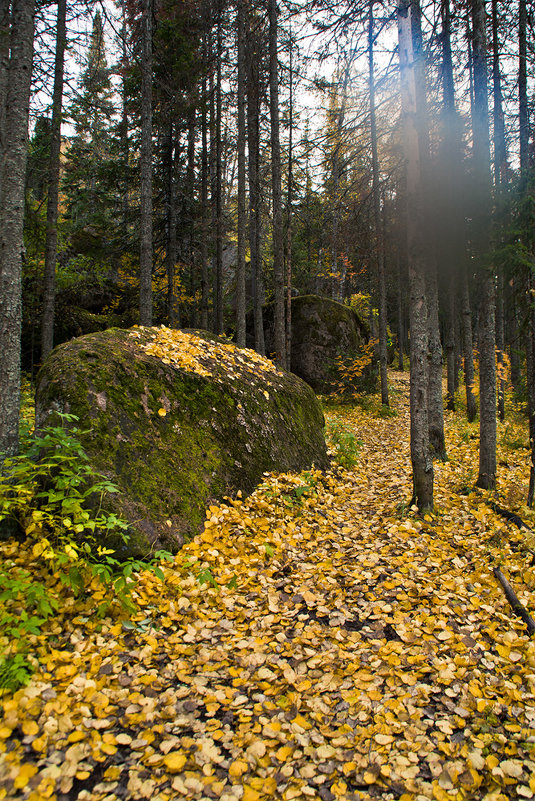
{"x": 322, "y": 330}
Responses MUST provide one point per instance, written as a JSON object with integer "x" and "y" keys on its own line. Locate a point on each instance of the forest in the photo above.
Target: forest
{"x": 353, "y": 619}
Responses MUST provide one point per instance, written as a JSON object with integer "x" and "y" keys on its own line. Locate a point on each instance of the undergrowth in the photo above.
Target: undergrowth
{"x": 53, "y": 497}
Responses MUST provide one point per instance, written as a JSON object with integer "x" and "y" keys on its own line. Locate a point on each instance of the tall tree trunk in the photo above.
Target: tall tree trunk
{"x": 450, "y": 345}
{"x": 481, "y": 223}
{"x": 530, "y": 365}
{"x": 523, "y": 122}
{"x": 253, "y": 136}
{"x": 242, "y": 212}
{"x": 204, "y": 207}
{"x": 500, "y": 348}
{"x": 145, "y": 166}
{"x": 5, "y": 19}
{"x": 124, "y": 130}
{"x": 289, "y": 198}
{"x": 51, "y": 243}
{"x": 422, "y": 465}
{"x": 401, "y": 327}
{"x": 434, "y": 376}
{"x": 218, "y": 209}
{"x": 453, "y": 251}
{"x": 171, "y": 227}
{"x": 523, "y": 119}
{"x": 276, "y": 191}
{"x": 500, "y": 150}
{"x": 337, "y": 170}
{"x": 513, "y": 334}
{"x": 378, "y": 238}
{"x": 451, "y": 247}
{"x": 189, "y": 207}
{"x": 468, "y": 349}
{"x": 500, "y": 179}
{"x": 12, "y": 178}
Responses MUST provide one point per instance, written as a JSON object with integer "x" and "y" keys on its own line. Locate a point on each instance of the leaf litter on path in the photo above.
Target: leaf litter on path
{"x": 317, "y": 640}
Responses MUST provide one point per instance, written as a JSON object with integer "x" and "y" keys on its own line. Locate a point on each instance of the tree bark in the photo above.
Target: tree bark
{"x": 468, "y": 349}
{"x": 401, "y": 327}
{"x": 276, "y": 191}
{"x": 378, "y": 238}
{"x": 523, "y": 119}
{"x": 204, "y": 207}
{"x": 422, "y": 465}
{"x": 530, "y": 369}
{"x": 51, "y": 244}
{"x": 434, "y": 374}
{"x": 171, "y": 227}
{"x": 253, "y": 138}
{"x": 500, "y": 149}
{"x": 241, "y": 141}
{"x": 145, "y": 165}
{"x": 500, "y": 348}
{"x": 437, "y": 442}
{"x": 500, "y": 179}
{"x": 189, "y": 206}
{"x": 124, "y": 130}
{"x": 5, "y": 19}
{"x": 453, "y": 260}
{"x": 218, "y": 207}
{"x": 289, "y": 197}
{"x": 450, "y": 345}
{"x": 12, "y": 179}
{"x": 481, "y": 225}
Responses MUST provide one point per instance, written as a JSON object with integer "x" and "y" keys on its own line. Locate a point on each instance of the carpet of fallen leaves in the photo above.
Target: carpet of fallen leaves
{"x": 349, "y": 650}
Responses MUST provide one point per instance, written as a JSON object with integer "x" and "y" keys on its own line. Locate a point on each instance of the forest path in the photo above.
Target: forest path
{"x": 318, "y": 640}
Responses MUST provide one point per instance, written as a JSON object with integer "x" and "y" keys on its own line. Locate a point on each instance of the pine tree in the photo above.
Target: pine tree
{"x": 91, "y": 203}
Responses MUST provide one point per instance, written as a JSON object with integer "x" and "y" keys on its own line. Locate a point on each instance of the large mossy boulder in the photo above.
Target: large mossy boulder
{"x": 322, "y": 331}
{"x": 177, "y": 421}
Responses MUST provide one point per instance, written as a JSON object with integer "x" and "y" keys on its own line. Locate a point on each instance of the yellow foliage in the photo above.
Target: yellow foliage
{"x": 365, "y": 647}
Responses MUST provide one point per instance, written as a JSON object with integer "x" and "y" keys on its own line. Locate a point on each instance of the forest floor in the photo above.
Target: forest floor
{"x": 318, "y": 640}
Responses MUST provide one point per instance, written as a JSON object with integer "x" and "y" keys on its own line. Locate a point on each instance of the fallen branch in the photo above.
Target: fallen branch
{"x": 513, "y": 600}
{"x": 510, "y": 516}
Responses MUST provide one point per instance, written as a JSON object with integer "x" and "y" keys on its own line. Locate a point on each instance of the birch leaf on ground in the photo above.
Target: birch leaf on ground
{"x": 366, "y": 654}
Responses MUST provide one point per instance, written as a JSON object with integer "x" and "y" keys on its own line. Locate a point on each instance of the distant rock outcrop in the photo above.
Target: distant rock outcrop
{"x": 177, "y": 420}
{"x": 322, "y": 329}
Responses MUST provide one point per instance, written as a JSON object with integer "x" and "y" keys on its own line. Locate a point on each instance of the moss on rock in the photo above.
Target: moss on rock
{"x": 178, "y": 420}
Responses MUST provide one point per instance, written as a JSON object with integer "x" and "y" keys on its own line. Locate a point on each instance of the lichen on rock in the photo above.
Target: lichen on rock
{"x": 177, "y": 421}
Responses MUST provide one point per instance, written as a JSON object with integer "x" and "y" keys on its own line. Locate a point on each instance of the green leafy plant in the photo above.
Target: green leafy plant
{"x": 54, "y": 496}
{"x": 205, "y": 576}
{"x": 15, "y": 672}
{"x": 25, "y": 605}
{"x": 344, "y": 443}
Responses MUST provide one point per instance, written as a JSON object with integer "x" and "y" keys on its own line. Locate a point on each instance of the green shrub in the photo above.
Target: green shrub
{"x": 345, "y": 444}
{"x": 54, "y": 496}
